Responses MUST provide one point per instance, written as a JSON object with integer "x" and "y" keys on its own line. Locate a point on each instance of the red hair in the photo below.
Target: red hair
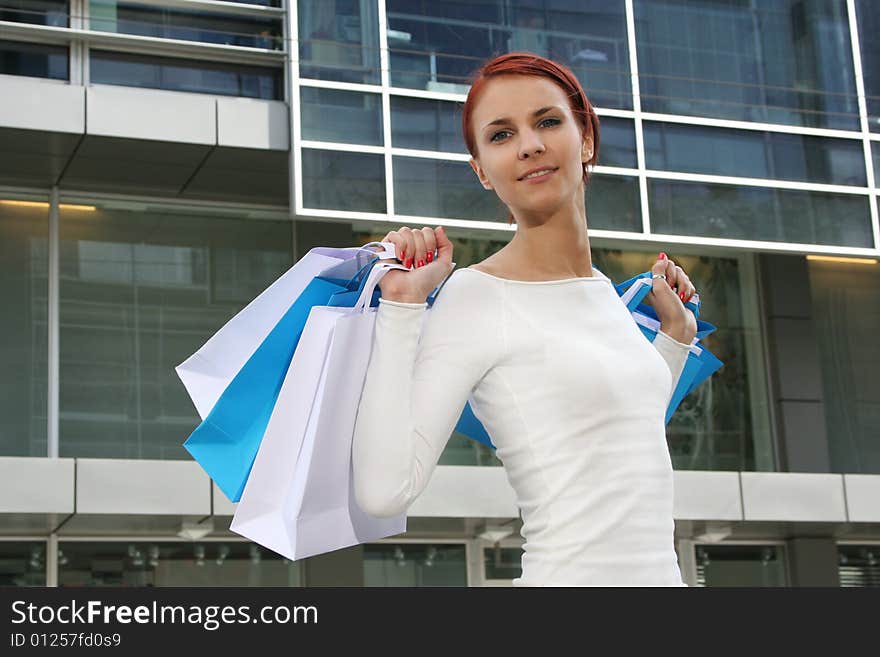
{"x": 523, "y": 63}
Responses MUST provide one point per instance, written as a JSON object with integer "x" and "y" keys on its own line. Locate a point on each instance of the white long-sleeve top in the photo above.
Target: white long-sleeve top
{"x": 574, "y": 398}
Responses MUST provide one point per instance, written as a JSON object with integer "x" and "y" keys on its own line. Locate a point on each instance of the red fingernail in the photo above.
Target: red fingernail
{"x": 421, "y": 263}
{"x": 681, "y": 296}
{"x": 430, "y": 256}
{"x": 662, "y": 256}
{"x": 409, "y": 262}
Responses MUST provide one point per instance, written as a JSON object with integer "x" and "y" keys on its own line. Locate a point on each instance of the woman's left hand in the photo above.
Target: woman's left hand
{"x": 668, "y": 298}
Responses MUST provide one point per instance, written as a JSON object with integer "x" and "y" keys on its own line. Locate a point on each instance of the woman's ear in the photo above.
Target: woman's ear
{"x": 484, "y": 179}
{"x": 587, "y": 150}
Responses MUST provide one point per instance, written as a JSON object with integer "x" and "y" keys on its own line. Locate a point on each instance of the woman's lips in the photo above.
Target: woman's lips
{"x": 541, "y": 178}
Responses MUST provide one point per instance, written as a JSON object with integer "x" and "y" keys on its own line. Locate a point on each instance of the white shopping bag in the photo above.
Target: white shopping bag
{"x": 299, "y": 498}
{"x": 208, "y": 372}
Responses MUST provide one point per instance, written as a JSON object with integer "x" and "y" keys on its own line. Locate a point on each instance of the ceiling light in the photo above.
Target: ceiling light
{"x": 494, "y": 533}
{"x": 849, "y": 261}
{"x": 45, "y": 205}
{"x": 715, "y": 532}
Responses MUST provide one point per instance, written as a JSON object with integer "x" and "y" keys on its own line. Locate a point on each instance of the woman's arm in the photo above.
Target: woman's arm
{"x": 417, "y": 384}
{"x": 674, "y": 353}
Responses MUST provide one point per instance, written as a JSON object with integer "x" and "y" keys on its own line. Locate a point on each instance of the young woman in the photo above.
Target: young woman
{"x": 568, "y": 388}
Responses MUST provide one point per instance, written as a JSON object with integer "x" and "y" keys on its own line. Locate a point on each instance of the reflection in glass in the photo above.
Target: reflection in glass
{"x": 613, "y": 203}
{"x": 36, "y": 12}
{"x": 752, "y": 154}
{"x": 22, "y": 563}
{"x": 617, "y": 146}
{"x": 34, "y": 60}
{"x": 166, "y": 563}
{"x": 859, "y": 565}
{"x": 201, "y": 26}
{"x": 335, "y": 180}
{"x": 723, "y": 425}
{"x": 339, "y": 40}
{"x": 186, "y": 75}
{"x": 341, "y": 116}
{"x": 429, "y": 49}
{"x": 741, "y": 565}
{"x": 24, "y": 289}
{"x": 139, "y": 293}
{"x": 440, "y": 188}
{"x": 502, "y": 563}
{"x": 756, "y": 213}
{"x": 846, "y": 311}
{"x": 774, "y": 61}
{"x": 868, "y": 20}
{"x": 427, "y": 125}
{"x": 408, "y": 564}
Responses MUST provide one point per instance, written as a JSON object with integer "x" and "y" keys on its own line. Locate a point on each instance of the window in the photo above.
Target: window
{"x": 759, "y": 213}
{"x": 415, "y": 564}
{"x": 429, "y": 49}
{"x": 34, "y": 60}
{"x": 774, "y": 61}
{"x": 339, "y": 40}
{"x": 741, "y": 565}
{"x": 186, "y": 75}
{"x": 24, "y": 269}
{"x": 205, "y": 27}
{"x": 139, "y": 293}
{"x": 165, "y": 563}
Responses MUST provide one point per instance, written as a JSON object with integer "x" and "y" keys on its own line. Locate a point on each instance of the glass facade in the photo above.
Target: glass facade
{"x": 410, "y": 564}
{"x": 158, "y": 563}
{"x": 756, "y": 213}
{"x": 24, "y": 289}
{"x": 846, "y": 312}
{"x": 429, "y": 49}
{"x": 139, "y": 293}
{"x": 186, "y": 75}
{"x": 204, "y": 27}
{"x": 741, "y": 565}
{"x": 22, "y": 563}
{"x": 35, "y": 60}
{"x": 142, "y": 283}
{"x": 774, "y": 61}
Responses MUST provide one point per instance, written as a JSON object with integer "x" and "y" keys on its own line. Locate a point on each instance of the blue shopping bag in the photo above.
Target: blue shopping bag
{"x": 226, "y": 442}
{"x": 700, "y": 364}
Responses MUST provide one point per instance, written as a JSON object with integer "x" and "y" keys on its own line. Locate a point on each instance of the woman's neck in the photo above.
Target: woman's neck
{"x": 558, "y": 246}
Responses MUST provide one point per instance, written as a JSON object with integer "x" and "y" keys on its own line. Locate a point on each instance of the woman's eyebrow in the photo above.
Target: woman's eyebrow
{"x": 505, "y": 119}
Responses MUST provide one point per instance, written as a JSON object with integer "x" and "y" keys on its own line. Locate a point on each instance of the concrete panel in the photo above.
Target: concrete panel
{"x": 142, "y": 486}
{"x": 151, "y": 114}
{"x": 253, "y": 123}
{"x": 795, "y": 497}
{"x": 42, "y": 105}
{"x": 862, "y": 497}
{"x": 707, "y": 496}
{"x": 800, "y": 376}
{"x": 467, "y": 492}
{"x": 243, "y": 175}
{"x": 133, "y": 165}
{"x": 36, "y": 485}
{"x": 805, "y": 436}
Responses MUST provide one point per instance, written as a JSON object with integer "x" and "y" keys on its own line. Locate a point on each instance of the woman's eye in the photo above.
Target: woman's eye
{"x": 551, "y": 120}
{"x": 497, "y": 134}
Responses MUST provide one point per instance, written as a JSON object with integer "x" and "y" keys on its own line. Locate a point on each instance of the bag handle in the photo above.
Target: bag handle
{"x": 375, "y": 275}
{"x": 638, "y": 289}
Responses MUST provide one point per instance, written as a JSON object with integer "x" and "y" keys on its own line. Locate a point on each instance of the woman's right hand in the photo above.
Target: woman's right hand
{"x": 429, "y": 252}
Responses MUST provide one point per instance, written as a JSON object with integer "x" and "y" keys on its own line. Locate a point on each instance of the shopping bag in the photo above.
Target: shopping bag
{"x": 700, "y": 364}
{"x": 235, "y": 377}
{"x": 299, "y": 498}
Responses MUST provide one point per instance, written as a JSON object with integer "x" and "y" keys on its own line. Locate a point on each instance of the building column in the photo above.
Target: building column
{"x": 813, "y": 562}
{"x": 794, "y": 368}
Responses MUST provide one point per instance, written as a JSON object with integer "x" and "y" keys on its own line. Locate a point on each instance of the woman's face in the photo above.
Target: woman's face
{"x": 522, "y": 124}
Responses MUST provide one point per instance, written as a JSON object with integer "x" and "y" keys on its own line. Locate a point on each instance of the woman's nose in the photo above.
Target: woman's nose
{"x": 530, "y": 144}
